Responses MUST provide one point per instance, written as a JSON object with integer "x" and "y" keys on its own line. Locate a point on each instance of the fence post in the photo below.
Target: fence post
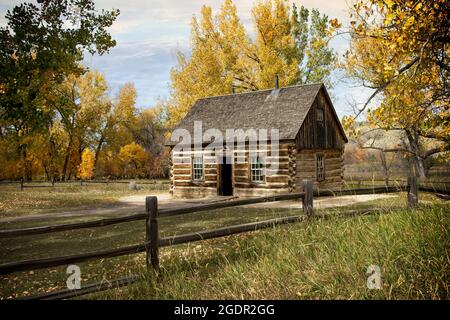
{"x": 413, "y": 192}
{"x": 151, "y": 232}
{"x": 21, "y": 184}
{"x": 308, "y": 198}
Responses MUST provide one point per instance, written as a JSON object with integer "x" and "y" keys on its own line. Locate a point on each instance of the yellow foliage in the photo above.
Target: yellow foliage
{"x": 134, "y": 158}
{"x": 86, "y": 167}
{"x": 223, "y": 54}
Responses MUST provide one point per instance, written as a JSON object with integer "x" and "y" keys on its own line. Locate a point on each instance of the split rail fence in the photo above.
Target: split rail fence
{"x": 153, "y": 242}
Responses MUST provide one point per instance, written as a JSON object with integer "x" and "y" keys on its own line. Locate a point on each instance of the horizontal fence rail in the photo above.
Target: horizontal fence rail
{"x": 91, "y": 288}
{"x": 60, "y": 261}
{"x": 9, "y": 233}
{"x": 116, "y": 283}
{"x": 152, "y": 241}
{"x": 143, "y": 215}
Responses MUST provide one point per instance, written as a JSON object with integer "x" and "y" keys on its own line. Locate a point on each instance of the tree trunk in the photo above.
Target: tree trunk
{"x": 66, "y": 159}
{"x": 97, "y": 150}
{"x": 418, "y": 169}
{"x": 385, "y": 168}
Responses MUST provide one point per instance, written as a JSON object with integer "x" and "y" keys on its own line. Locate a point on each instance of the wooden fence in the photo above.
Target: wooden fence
{"x": 54, "y": 183}
{"x": 153, "y": 242}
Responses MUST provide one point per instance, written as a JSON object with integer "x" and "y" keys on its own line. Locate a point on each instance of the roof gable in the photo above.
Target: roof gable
{"x": 284, "y": 109}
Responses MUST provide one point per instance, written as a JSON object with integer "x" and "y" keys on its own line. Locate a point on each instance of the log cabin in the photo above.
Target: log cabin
{"x": 310, "y": 144}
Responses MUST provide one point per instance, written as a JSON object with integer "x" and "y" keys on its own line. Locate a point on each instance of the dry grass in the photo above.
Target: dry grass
{"x": 321, "y": 259}
{"x": 64, "y": 196}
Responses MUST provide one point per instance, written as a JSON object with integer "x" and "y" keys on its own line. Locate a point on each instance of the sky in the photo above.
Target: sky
{"x": 149, "y": 33}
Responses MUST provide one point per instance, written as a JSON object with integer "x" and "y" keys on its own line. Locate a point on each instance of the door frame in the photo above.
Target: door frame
{"x": 220, "y": 179}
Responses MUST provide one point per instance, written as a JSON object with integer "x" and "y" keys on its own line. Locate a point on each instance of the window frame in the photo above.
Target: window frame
{"x": 320, "y": 177}
{"x": 202, "y": 168}
{"x": 322, "y": 112}
{"x": 261, "y": 175}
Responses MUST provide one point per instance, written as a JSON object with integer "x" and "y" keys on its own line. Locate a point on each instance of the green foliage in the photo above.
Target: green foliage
{"x": 40, "y": 46}
{"x": 316, "y": 58}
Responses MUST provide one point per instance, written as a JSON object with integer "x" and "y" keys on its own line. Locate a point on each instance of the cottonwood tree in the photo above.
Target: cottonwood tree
{"x": 40, "y": 46}
{"x": 134, "y": 159}
{"x": 86, "y": 167}
{"x": 289, "y": 42}
{"x": 81, "y": 105}
{"x": 400, "y": 50}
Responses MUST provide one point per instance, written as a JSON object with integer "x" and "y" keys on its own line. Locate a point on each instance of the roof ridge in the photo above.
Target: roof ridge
{"x": 262, "y": 90}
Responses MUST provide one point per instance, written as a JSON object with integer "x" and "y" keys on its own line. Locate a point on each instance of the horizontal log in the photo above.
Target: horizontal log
{"x": 211, "y": 178}
{"x": 182, "y": 171}
{"x": 182, "y": 177}
{"x": 241, "y": 179}
{"x": 194, "y": 184}
{"x": 203, "y": 207}
{"x": 86, "y": 289}
{"x": 59, "y": 261}
{"x": 305, "y": 175}
{"x": 277, "y": 178}
{"x": 182, "y": 166}
{"x": 375, "y": 190}
{"x": 331, "y": 173}
{"x": 230, "y": 203}
{"x": 226, "y": 231}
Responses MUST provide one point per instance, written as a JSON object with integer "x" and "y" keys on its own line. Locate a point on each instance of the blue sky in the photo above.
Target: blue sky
{"x": 150, "y": 33}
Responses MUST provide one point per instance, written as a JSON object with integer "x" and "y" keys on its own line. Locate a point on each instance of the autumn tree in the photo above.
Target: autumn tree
{"x": 289, "y": 42}
{"x": 399, "y": 49}
{"x": 81, "y": 105}
{"x": 86, "y": 167}
{"x": 134, "y": 158}
{"x": 40, "y": 46}
{"x": 117, "y": 124}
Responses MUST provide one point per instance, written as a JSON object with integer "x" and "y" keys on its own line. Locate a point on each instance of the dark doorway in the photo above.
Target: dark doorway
{"x": 225, "y": 185}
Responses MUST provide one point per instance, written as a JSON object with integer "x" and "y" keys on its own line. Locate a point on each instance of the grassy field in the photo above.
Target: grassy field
{"x": 321, "y": 259}
{"x": 66, "y": 196}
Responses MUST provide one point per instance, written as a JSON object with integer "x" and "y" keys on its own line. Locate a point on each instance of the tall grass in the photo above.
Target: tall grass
{"x": 325, "y": 259}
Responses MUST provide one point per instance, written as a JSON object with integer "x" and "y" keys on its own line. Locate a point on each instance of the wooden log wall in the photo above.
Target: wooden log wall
{"x": 182, "y": 181}
{"x": 281, "y": 178}
{"x": 325, "y": 134}
{"x": 306, "y": 167}
{"x": 275, "y": 181}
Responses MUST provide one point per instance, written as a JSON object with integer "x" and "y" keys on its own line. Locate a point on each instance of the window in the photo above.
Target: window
{"x": 320, "y": 167}
{"x": 197, "y": 168}
{"x": 257, "y": 174}
{"x": 319, "y": 115}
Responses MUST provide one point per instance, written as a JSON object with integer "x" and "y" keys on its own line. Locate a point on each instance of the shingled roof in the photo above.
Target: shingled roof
{"x": 284, "y": 109}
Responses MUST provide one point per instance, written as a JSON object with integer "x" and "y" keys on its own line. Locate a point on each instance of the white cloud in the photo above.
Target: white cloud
{"x": 149, "y": 33}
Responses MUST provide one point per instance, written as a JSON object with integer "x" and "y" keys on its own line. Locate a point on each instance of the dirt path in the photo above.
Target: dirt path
{"x": 325, "y": 202}
{"x": 125, "y": 206}
{"x": 133, "y": 204}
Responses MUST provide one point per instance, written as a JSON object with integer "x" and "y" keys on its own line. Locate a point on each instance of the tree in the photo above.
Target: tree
{"x": 82, "y": 105}
{"x": 316, "y": 59}
{"x": 287, "y": 44}
{"x": 134, "y": 158}
{"x": 41, "y": 45}
{"x": 86, "y": 167}
{"x": 117, "y": 124}
{"x": 400, "y": 50}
